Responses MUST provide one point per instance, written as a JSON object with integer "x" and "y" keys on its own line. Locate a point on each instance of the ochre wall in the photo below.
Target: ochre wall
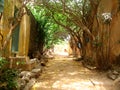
{"x": 24, "y": 36}
{"x": 115, "y": 36}
{"x": 112, "y": 6}
{"x": 8, "y": 12}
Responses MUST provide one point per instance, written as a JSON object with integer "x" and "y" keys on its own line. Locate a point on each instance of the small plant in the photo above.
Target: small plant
{"x": 2, "y": 62}
{"x": 7, "y": 76}
{"x": 20, "y": 63}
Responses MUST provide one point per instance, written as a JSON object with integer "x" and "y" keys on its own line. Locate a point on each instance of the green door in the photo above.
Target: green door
{"x": 15, "y": 39}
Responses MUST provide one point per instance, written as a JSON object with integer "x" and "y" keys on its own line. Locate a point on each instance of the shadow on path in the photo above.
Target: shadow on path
{"x": 66, "y": 74}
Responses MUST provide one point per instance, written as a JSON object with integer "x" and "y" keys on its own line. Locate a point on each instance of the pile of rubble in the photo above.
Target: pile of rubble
{"x": 27, "y": 78}
{"x": 115, "y": 76}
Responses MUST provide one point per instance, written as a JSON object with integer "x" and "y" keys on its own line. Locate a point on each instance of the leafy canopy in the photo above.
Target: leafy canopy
{"x": 46, "y": 25}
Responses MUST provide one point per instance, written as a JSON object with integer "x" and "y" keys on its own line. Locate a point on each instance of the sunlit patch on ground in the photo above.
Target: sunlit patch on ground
{"x": 67, "y": 74}
{"x": 62, "y": 49}
{"x": 72, "y": 84}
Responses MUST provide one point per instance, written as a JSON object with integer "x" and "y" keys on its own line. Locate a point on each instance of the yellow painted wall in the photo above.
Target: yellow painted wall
{"x": 7, "y": 13}
{"x": 24, "y": 33}
{"x": 24, "y": 36}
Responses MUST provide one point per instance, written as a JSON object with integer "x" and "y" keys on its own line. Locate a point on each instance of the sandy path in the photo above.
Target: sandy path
{"x": 67, "y": 74}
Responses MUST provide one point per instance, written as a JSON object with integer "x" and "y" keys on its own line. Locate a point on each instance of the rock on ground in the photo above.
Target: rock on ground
{"x": 30, "y": 84}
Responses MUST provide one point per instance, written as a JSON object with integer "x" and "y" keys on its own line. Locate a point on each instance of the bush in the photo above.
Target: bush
{"x": 8, "y": 76}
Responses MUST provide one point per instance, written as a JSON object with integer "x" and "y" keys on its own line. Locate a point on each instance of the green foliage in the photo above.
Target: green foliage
{"x": 20, "y": 63}
{"x": 2, "y": 62}
{"x": 7, "y": 76}
{"x": 46, "y": 26}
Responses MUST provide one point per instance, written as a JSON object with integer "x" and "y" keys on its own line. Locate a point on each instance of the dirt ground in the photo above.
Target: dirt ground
{"x": 67, "y": 74}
